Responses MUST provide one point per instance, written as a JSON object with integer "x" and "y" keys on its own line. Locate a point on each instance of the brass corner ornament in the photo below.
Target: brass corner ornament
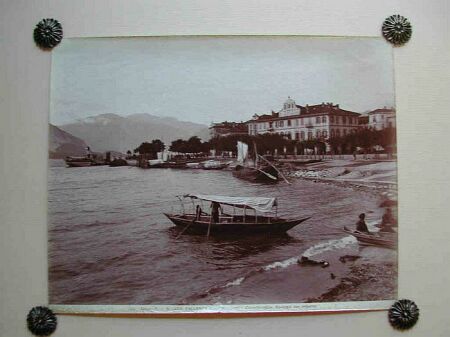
{"x": 48, "y": 33}
{"x": 403, "y": 314}
{"x": 41, "y": 321}
{"x": 397, "y": 30}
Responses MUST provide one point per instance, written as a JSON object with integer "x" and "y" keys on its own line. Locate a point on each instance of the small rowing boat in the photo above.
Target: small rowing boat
{"x": 263, "y": 220}
{"x": 381, "y": 239}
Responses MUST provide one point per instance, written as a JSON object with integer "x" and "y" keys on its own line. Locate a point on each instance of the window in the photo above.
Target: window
{"x": 325, "y": 134}
{"x": 324, "y": 119}
{"x": 301, "y": 121}
{"x": 302, "y": 135}
{"x": 297, "y": 136}
{"x": 332, "y": 133}
{"x": 344, "y": 132}
{"x": 374, "y": 119}
{"x": 317, "y": 120}
{"x": 338, "y": 133}
{"x": 344, "y": 120}
{"x": 281, "y": 123}
{"x": 289, "y": 122}
{"x": 331, "y": 119}
{"x": 318, "y": 134}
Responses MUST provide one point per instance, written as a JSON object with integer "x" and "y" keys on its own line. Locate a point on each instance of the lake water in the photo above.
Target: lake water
{"x": 109, "y": 242}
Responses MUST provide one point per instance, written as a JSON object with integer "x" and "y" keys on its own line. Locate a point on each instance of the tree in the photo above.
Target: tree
{"x": 155, "y": 146}
{"x": 158, "y": 145}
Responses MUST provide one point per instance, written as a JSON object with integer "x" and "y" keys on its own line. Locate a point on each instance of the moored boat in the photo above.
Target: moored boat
{"x": 263, "y": 174}
{"x": 79, "y": 161}
{"x": 381, "y": 239}
{"x": 261, "y": 170}
{"x": 118, "y": 162}
{"x": 263, "y": 220}
{"x": 213, "y": 165}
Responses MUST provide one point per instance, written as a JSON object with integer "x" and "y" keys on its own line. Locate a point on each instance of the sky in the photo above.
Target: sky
{"x": 213, "y": 79}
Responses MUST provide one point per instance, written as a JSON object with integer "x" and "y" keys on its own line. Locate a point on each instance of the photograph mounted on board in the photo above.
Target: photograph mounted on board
{"x": 222, "y": 174}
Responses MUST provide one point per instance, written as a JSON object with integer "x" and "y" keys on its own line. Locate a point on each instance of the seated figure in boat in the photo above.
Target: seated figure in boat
{"x": 388, "y": 222}
{"x": 361, "y": 224}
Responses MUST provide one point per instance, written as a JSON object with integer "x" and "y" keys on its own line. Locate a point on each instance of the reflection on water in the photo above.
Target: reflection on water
{"x": 110, "y": 243}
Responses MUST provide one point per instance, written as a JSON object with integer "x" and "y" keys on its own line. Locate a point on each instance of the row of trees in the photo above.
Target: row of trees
{"x": 364, "y": 140}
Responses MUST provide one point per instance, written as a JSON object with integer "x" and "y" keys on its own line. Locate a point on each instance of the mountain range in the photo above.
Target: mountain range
{"x": 62, "y": 144}
{"x": 111, "y": 132}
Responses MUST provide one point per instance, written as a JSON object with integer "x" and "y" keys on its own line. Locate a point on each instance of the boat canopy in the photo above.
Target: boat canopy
{"x": 259, "y": 204}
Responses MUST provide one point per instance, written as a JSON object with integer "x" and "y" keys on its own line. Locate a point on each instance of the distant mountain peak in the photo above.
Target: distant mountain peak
{"x": 112, "y": 132}
{"x": 102, "y": 119}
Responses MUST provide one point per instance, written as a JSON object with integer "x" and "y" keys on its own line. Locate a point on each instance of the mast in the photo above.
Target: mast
{"x": 256, "y": 154}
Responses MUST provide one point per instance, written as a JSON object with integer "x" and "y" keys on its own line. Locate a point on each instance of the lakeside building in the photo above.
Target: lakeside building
{"x": 296, "y": 122}
{"x": 227, "y": 128}
{"x": 382, "y": 118}
{"x": 363, "y": 121}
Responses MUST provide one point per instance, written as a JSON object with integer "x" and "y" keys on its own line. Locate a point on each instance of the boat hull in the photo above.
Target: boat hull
{"x": 254, "y": 175}
{"x": 78, "y": 163}
{"x": 241, "y": 225}
{"x": 386, "y": 240}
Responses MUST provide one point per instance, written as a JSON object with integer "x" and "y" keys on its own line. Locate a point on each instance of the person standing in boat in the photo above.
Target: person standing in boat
{"x": 361, "y": 224}
{"x": 215, "y": 207}
{"x": 198, "y": 213}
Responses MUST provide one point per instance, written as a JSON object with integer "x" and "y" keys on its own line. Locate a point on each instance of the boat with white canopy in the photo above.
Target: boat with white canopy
{"x": 249, "y": 215}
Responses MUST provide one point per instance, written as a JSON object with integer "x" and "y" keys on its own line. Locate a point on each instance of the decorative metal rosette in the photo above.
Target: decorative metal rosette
{"x": 397, "y": 29}
{"x": 41, "y": 321}
{"x": 403, "y": 314}
{"x": 48, "y": 33}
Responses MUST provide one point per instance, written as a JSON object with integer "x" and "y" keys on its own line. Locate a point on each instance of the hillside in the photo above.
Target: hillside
{"x": 108, "y": 132}
{"x": 62, "y": 144}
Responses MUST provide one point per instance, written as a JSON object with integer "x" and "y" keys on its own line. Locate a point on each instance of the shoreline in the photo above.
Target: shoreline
{"x": 373, "y": 271}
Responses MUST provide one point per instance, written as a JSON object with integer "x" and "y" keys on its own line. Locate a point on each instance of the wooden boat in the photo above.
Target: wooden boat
{"x": 89, "y": 159}
{"x": 261, "y": 170}
{"x": 202, "y": 223}
{"x": 213, "y": 165}
{"x": 254, "y": 174}
{"x": 118, "y": 162}
{"x": 159, "y": 163}
{"x": 387, "y": 240}
{"x": 79, "y": 161}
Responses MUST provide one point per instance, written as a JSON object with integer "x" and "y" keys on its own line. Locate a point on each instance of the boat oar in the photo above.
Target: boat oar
{"x": 209, "y": 227}
{"x": 279, "y": 172}
{"x": 185, "y": 228}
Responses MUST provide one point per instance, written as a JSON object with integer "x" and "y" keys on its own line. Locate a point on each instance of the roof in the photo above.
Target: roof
{"x": 383, "y": 110}
{"x": 229, "y": 125}
{"x": 309, "y": 111}
{"x": 259, "y": 204}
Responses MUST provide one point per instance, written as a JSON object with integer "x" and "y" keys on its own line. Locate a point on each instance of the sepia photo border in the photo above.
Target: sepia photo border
{"x": 227, "y": 310}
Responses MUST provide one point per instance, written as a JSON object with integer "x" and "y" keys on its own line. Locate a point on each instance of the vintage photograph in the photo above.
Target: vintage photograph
{"x": 222, "y": 171}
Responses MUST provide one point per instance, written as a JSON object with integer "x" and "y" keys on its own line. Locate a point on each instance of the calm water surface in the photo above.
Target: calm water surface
{"x": 109, "y": 242}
